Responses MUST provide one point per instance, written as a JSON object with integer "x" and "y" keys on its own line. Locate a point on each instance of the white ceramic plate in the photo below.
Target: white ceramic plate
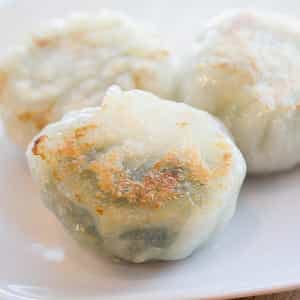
{"x": 258, "y": 252}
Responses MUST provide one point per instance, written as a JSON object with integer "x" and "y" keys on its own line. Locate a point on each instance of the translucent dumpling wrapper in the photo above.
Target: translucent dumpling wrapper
{"x": 245, "y": 70}
{"x": 139, "y": 178}
{"x": 68, "y": 64}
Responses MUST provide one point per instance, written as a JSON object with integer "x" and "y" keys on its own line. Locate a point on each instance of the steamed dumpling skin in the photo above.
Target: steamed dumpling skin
{"x": 140, "y": 178}
{"x": 70, "y": 63}
{"x": 245, "y": 70}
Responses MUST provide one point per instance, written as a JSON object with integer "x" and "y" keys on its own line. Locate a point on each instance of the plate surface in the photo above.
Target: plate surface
{"x": 258, "y": 252}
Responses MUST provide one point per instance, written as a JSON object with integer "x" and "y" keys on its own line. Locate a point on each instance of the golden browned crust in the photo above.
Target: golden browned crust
{"x": 82, "y": 131}
{"x": 56, "y": 175}
{"x": 198, "y": 171}
{"x": 99, "y": 210}
{"x": 224, "y": 167}
{"x": 157, "y": 186}
{"x": 70, "y": 148}
{"x": 38, "y": 146}
{"x": 161, "y": 183}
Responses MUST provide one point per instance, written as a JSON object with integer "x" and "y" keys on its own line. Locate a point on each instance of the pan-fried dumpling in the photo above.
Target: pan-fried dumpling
{"x": 140, "y": 177}
{"x": 70, "y": 63}
{"x": 246, "y": 72}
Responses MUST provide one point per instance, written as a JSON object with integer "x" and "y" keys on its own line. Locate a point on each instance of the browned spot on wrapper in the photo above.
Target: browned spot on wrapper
{"x": 43, "y": 42}
{"x": 156, "y": 187}
{"x": 162, "y": 182}
{"x": 99, "y": 210}
{"x": 38, "y": 148}
{"x": 223, "y": 168}
{"x": 82, "y": 131}
{"x": 56, "y": 175}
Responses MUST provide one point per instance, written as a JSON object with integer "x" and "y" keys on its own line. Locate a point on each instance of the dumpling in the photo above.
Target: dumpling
{"x": 139, "y": 177}
{"x": 245, "y": 71}
{"x": 70, "y": 63}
